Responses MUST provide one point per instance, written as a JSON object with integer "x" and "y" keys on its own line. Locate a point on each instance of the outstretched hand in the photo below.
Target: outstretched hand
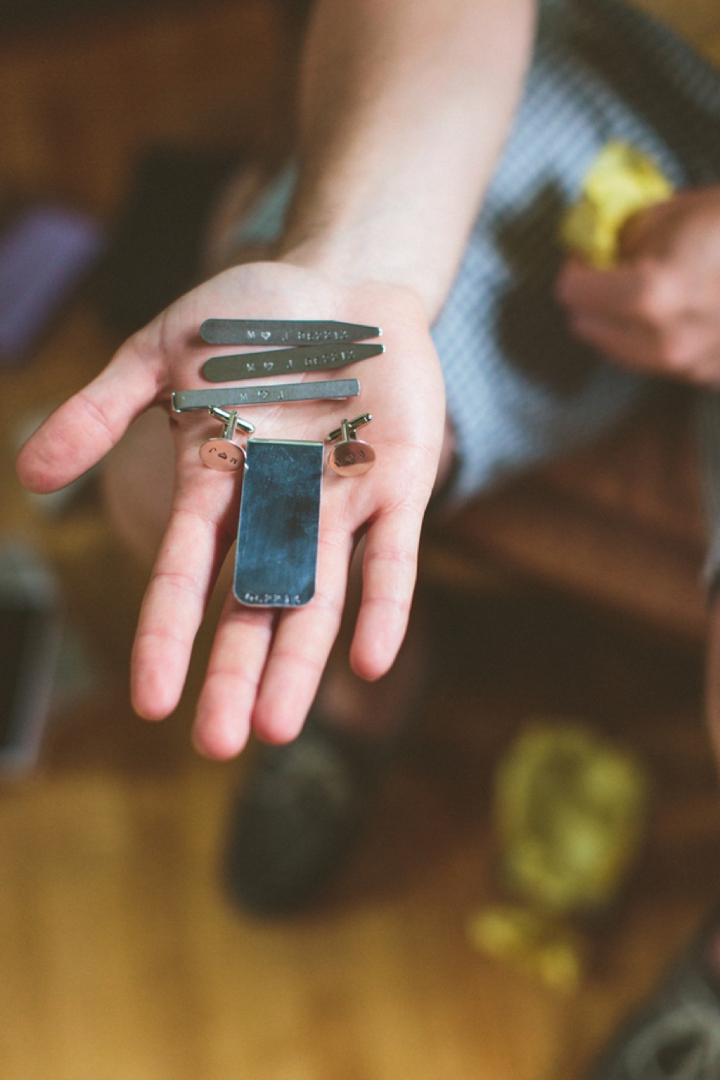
{"x": 658, "y": 311}
{"x": 265, "y": 666}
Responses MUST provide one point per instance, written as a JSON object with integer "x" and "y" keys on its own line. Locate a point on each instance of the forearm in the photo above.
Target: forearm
{"x": 405, "y": 105}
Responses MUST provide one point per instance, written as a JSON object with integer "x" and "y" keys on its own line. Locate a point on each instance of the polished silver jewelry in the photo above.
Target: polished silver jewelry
{"x": 278, "y": 530}
{"x": 283, "y": 332}
{"x": 257, "y": 365}
{"x": 182, "y": 400}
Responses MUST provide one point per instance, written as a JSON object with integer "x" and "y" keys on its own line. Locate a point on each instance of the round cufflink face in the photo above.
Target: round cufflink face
{"x": 222, "y": 455}
{"x": 352, "y": 457}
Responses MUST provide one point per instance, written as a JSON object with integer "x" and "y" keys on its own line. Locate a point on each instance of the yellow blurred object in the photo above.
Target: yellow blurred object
{"x": 531, "y": 942}
{"x": 570, "y": 812}
{"x": 620, "y": 182}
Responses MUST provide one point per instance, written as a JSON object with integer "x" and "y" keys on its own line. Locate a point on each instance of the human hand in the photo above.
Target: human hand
{"x": 265, "y": 666}
{"x": 658, "y": 311}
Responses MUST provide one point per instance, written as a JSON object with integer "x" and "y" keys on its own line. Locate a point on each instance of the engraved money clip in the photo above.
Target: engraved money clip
{"x": 286, "y": 361}
{"x": 283, "y": 332}
{"x": 183, "y": 400}
{"x": 277, "y": 546}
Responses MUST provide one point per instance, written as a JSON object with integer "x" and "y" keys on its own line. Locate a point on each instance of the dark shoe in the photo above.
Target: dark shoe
{"x": 676, "y": 1034}
{"x": 299, "y": 812}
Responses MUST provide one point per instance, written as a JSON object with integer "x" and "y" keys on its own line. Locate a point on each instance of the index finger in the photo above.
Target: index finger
{"x": 608, "y": 292}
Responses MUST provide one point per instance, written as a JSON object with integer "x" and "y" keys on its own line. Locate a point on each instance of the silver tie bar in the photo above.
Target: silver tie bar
{"x": 183, "y": 400}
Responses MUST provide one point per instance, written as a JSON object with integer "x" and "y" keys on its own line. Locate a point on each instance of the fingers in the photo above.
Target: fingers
{"x": 79, "y": 433}
{"x": 689, "y": 350}
{"x": 636, "y": 315}
{"x": 191, "y": 554}
{"x": 269, "y": 683}
{"x": 389, "y": 573}
{"x": 632, "y": 345}
{"x": 227, "y": 700}
{"x": 581, "y": 287}
{"x": 302, "y": 645}
{"x": 642, "y": 291}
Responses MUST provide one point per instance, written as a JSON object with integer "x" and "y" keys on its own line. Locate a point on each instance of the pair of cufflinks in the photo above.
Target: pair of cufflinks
{"x": 351, "y": 456}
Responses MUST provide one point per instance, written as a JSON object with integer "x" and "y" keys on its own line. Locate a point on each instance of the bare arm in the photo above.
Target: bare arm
{"x": 405, "y": 104}
{"x": 404, "y": 108}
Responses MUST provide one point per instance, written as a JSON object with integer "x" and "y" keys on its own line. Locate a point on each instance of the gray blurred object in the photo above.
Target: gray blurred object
{"x": 30, "y": 640}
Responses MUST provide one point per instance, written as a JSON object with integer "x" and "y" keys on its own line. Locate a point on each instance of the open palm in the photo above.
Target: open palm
{"x": 265, "y": 666}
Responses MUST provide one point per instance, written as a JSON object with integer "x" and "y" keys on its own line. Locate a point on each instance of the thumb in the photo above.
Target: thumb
{"x": 82, "y": 430}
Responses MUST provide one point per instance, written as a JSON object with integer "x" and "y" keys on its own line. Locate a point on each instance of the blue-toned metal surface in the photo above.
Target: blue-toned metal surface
{"x": 279, "y": 524}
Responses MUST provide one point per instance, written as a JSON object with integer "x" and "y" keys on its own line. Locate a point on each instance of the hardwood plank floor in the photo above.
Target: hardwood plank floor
{"x": 121, "y": 957}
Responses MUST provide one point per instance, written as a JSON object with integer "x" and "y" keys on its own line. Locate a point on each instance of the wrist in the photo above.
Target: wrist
{"x": 350, "y": 260}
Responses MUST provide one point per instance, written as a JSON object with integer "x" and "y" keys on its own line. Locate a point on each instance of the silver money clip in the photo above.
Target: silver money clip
{"x": 279, "y": 526}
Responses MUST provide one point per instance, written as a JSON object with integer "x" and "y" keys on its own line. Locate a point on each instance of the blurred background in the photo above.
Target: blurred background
{"x": 120, "y": 955}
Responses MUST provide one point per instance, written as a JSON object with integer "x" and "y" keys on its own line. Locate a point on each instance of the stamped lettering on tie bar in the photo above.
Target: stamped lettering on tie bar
{"x": 286, "y": 361}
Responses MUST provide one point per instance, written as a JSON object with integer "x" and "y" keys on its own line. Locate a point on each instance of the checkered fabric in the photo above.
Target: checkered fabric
{"x": 519, "y": 388}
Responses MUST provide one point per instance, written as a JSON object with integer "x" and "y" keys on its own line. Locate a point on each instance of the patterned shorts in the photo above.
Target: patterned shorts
{"x": 519, "y": 388}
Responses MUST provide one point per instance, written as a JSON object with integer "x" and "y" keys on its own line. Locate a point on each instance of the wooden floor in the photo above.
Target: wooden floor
{"x": 120, "y": 955}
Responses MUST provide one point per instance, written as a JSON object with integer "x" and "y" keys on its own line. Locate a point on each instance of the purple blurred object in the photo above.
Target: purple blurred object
{"x": 43, "y": 254}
